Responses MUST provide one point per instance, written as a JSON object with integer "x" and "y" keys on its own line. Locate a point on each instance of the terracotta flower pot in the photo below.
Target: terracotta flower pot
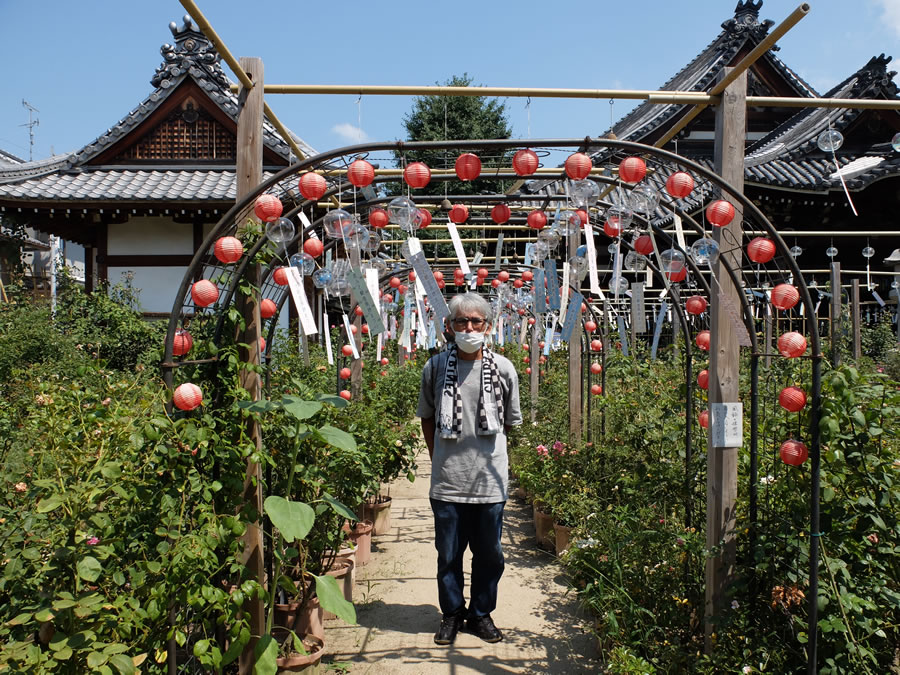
{"x": 563, "y": 537}
{"x": 380, "y": 515}
{"x": 361, "y": 535}
{"x": 543, "y": 523}
{"x": 342, "y": 571}
{"x": 304, "y": 663}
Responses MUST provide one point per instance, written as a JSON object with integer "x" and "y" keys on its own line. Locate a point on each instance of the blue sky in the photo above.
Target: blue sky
{"x": 84, "y": 65}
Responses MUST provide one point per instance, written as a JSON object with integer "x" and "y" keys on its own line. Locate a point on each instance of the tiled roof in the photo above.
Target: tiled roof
{"x": 127, "y": 185}
{"x": 7, "y": 158}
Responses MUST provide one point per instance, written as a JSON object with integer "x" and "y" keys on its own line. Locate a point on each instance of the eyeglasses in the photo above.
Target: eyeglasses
{"x": 460, "y": 322}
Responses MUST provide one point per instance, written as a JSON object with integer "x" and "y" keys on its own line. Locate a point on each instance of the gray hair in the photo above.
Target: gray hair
{"x": 470, "y": 302}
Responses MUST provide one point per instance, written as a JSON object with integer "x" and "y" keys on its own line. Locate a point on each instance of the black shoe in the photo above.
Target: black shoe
{"x": 483, "y": 627}
{"x": 450, "y": 625}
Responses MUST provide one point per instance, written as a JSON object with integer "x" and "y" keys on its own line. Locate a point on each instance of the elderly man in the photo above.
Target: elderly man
{"x": 468, "y": 401}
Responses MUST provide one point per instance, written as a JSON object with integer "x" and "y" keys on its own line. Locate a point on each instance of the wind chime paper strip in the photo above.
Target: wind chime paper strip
{"x": 501, "y": 334}
{"x": 540, "y": 301}
{"x": 432, "y": 339}
{"x": 307, "y": 225}
{"x": 623, "y": 337}
{"x": 378, "y": 346}
{"x": 564, "y": 297}
{"x": 295, "y": 285}
{"x": 739, "y": 328}
{"x": 572, "y": 315}
{"x": 878, "y": 298}
{"x": 407, "y": 320}
{"x": 550, "y": 274}
{"x": 523, "y": 332}
{"x": 351, "y": 338}
{"x": 638, "y": 317}
{"x": 592, "y": 259}
{"x": 548, "y": 337}
{"x": 364, "y": 300}
{"x": 425, "y": 276}
{"x": 372, "y": 283}
{"x": 679, "y": 231}
{"x": 657, "y": 331}
{"x": 420, "y": 319}
{"x": 529, "y": 253}
{"x": 327, "y": 331}
{"x": 499, "y": 249}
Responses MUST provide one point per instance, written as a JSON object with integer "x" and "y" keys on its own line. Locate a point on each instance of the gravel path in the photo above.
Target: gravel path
{"x": 396, "y": 602}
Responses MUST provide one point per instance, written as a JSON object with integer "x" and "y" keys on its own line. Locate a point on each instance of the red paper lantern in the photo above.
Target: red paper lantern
{"x": 632, "y": 169}
{"x": 347, "y": 350}
{"x": 792, "y": 345}
{"x": 761, "y": 250}
{"x": 424, "y": 218}
{"x": 702, "y": 340}
{"x": 527, "y": 275}
{"x": 268, "y": 208}
{"x": 503, "y": 275}
{"x": 358, "y": 311}
{"x": 785, "y": 296}
{"x": 187, "y": 396}
{"x": 402, "y": 288}
{"x": 417, "y": 175}
{"x": 794, "y": 452}
{"x": 365, "y": 329}
{"x": 528, "y": 371}
{"x": 500, "y": 214}
{"x": 378, "y": 217}
{"x": 438, "y": 275}
{"x": 394, "y": 282}
{"x": 313, "y": 247}
{"x": 204, "y": 293}
{"x": 792, "y": 399}
{"x": 590, "y": 326}
{"x": 412, "y": 275}
{"x": 518, "y": 283}
{"x": 596, "y": 346}
{"x": 680, "y": 275}
{"x": 578, "y": 166}
{"x": 696, "y": 304}
{"x": 596, "y": 389}
{"x": 720, "y": 213}
{"x": 345, "y": 374}
{"x": 596, "y": 368}
{"x": 459, "y": 213}
{"x": 703, "y": 379}
{"x": 313, "y": 186}
{"x": 537, "y": 219}
{"x": 679, "y": 184}
{"x": 525, "y": 162}
{"x": 612, "y": 229}
{"x": 643, "y": 244}
{"x": 360, "y": 173}
{"x": 228, "y": 249}
{"x": 703, "y": 418}
{"x": 346, "y": 395}
{"x": 468, "y": 166}
{"x": 481, "y": 272}
{"x": 182, "y": 343}
{"x": 262, "y": 345}
{"x": 384, "y": 373}
{"x": 279, "y": 276}
{"x": 495, "y": 283}
{"x": 267, "y": 308}
{"x": 384, "y": 361}
{"x": 526, "y": 359}
{"x": 531, "y": 321}
{"x": 582, "y": 217}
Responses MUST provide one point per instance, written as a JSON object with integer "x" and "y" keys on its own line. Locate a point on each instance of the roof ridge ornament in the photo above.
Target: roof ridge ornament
{"x": 875, "y": 73}
{"x": 193, "y": 53}
{"x": 746, "y": 24}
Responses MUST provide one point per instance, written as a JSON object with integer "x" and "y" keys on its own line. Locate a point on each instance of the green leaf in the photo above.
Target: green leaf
{"x": 879, "y": 523}
{"x": 339, "y": 507}
{"x": 828, "y": 494}
{"x": 19, "y": 619}
{"x": 123, "y": 664}
{"x": 336, "y": 401}
{"x": 337, "y": 438}
{"x": 299, "y": 409}
{"x": 293, "y": 519}
{"x": 266, "y": 654}
{"x": 96, "y": 659}
{"x": 89, "y": 568}
{"x": 263, "y": 406}
{"x": 111, "y": 470}
{"x": 44, "y": 615}
{"x": 49, "y": 504}
{"x": 331, "y": 597}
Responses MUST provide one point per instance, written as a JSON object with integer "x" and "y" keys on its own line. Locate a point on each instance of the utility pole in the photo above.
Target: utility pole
{"x": 32, "y": 123}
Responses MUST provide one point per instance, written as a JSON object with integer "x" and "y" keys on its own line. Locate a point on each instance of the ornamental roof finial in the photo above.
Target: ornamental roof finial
{"x": 192, "y": 52}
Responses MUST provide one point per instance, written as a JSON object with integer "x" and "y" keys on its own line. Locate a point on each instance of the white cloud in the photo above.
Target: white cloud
{"x": 350, "y": 133}
{"x": 890, "y": 14}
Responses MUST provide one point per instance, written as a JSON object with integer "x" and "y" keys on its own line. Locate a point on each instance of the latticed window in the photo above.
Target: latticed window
{"x": 186, "y": 135}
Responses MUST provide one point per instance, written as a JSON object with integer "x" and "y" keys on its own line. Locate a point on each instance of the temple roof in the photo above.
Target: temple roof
{"x": 101, "y": 171}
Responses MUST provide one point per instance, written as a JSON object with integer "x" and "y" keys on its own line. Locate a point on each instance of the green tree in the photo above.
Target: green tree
{"x": 439, "y": 118}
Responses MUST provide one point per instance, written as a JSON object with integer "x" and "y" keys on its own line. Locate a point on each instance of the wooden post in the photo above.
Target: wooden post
{"x": 855, "y": 318}
{"x": 721, "y": 483}
{"x": 249, "y": 175}
{"x": 836, "y": 314}
{"x": 575, "y": 374}
{"x": 534, "y": 380}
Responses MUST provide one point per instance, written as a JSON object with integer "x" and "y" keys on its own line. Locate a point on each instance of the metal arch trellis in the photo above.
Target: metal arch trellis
{"x": 748, "y": 211}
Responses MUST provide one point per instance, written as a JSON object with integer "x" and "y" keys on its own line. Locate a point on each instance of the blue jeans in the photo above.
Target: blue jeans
{"x": 478, "y": 526}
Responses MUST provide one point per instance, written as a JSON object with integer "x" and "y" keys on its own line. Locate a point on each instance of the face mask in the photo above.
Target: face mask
{"x": 469, "y": 342}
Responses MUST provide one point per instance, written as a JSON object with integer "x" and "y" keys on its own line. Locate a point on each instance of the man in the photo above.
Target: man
{"x": 468, "y": 401}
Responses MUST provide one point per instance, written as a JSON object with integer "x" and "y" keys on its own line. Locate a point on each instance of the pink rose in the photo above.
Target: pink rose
{"x": 92, "y": 541}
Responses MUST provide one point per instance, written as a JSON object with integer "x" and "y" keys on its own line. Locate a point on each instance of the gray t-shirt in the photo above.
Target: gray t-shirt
{"x": 472, "y": 468}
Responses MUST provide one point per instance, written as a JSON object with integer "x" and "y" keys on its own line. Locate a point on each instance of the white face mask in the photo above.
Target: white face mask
{"x": 469, "y": 342}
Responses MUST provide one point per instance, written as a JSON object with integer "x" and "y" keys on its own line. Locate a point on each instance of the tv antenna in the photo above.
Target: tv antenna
{"x": 32, "y": 123}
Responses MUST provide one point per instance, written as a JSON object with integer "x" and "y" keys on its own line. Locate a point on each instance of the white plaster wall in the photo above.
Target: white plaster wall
{"x": 157, "y": 285}
{"x": 149, "y": 235}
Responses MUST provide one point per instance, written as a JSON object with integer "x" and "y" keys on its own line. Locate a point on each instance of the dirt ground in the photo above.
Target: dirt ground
{"x": 396, "y": 602}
